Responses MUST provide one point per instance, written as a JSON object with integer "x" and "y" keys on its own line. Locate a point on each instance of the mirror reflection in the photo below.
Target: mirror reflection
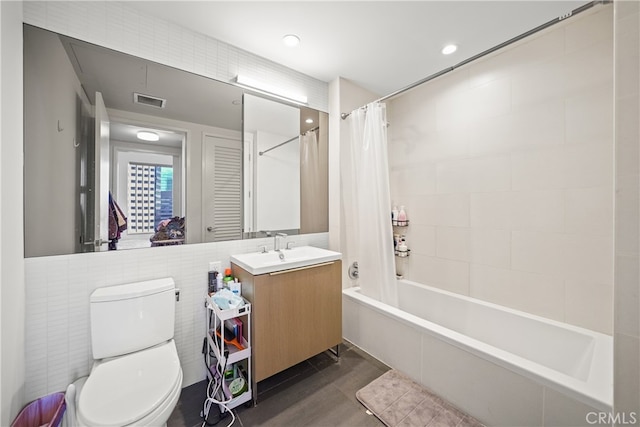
{"x": 121, "y": 153}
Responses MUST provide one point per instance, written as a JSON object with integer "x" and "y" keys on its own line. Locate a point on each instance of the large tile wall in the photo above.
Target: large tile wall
{"x": 627, "y": 239}
{"x": 119, "y": 26}
{"x": 505, "y": 168}
{"x": 58, "y": 339}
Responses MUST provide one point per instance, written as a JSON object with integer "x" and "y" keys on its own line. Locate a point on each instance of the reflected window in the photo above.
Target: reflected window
{"x": 151, "y": 196}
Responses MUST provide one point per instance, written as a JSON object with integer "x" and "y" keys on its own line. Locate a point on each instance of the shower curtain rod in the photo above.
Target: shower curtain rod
{"x": 287, "y": 141}
{"x": 487, "y": 52}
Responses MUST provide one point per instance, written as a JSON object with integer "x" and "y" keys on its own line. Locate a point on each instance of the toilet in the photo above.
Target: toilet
{"x": 136, "y": 376}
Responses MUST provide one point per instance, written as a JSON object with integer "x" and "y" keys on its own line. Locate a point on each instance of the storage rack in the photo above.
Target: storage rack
{"x": 228, "y": 354}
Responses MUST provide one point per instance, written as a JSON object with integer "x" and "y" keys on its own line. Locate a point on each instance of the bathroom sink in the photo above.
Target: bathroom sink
{"x": 286, "y": 259}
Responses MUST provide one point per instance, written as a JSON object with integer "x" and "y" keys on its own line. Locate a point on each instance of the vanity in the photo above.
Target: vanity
{"x": 296, "y": 297}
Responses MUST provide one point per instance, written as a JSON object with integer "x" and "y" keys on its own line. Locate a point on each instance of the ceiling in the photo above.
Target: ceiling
{"x": 380, "y": 45}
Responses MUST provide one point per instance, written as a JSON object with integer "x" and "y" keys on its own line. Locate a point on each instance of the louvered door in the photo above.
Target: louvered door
{"x": 222, "y": 189}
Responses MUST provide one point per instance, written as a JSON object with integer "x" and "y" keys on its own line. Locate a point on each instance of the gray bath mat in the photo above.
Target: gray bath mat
{"x": 400, "y": 402}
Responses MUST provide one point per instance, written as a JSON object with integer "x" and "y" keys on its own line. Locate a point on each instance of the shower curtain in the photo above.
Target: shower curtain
{"x": 310, "y": 183}
{"x": 366, "y": 198}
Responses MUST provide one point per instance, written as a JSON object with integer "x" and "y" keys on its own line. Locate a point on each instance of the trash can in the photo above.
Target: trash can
{"x": 46, "y": 411}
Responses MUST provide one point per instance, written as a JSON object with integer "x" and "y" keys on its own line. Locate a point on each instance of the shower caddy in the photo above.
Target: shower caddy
{"x": 218, "y": 350}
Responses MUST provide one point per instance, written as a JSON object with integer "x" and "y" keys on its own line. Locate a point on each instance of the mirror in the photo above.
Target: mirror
{"x": 169, "y": 191}
{"x": 285, "y": 168}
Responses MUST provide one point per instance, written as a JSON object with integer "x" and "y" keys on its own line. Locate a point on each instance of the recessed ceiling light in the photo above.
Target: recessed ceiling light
{"x": 449, "y": 49}
{"x": 309, "y": 121}
{"x": 291, "y": 40}
{"x": 148, "y": 136}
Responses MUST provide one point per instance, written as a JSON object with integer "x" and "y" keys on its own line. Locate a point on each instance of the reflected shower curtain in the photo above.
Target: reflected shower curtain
{"x": 310, "y": 182}
{"x": 365, "y": 178}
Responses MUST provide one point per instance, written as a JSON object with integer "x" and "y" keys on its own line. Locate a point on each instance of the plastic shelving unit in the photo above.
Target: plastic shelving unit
{"x": 228, "y": 353}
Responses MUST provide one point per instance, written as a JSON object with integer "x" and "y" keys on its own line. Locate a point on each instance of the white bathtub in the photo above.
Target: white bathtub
{"x": 503, "y": 366}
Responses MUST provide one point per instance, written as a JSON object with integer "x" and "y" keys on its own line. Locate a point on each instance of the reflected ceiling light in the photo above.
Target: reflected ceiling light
{"x": 309, "y": 121}
{"x": 449, "y": 49}
{"x": 291, "y": 40}
{"x": 145, "y": 135}
{"x": 267, "y": 89}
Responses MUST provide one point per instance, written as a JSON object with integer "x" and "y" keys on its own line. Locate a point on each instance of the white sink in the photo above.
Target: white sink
{"x": 261, "y": 263}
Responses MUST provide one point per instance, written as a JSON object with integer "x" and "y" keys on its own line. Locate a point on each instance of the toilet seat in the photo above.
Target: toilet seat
{"x": 124, "y": 390}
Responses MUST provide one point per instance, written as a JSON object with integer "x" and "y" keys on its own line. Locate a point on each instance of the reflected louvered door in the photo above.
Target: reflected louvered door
{"x": 222, "y": 189}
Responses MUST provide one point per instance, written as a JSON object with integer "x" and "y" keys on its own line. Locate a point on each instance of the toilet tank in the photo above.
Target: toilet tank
{"x": 131, "y": 317}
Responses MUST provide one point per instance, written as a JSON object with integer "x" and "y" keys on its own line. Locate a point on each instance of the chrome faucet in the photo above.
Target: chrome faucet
{"x": 276, "y": 242}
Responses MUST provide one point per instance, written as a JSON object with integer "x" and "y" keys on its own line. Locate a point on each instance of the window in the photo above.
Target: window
{"x": 151, "y": 196}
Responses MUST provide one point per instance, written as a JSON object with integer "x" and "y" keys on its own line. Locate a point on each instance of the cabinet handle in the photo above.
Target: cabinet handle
{"x": 275, "y": 273}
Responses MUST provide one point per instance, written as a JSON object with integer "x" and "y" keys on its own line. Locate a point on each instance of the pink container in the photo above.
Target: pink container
{"x": 46, "y": 411}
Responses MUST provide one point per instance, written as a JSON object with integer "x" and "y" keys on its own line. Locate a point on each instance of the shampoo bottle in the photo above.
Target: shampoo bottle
{"x": 394, "y": 215}
{"x": 402, "y": 216}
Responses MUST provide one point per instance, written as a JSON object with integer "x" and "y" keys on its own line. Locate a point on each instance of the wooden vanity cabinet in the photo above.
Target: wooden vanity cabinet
{"x": 296, "y": 313}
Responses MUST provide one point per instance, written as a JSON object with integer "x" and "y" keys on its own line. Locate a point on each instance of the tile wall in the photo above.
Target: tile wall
{"x": 118, "y": 25}
{"x": 58, "y": 339}
{"x": 627, "y": 239}
{"x": 505, "y": 168}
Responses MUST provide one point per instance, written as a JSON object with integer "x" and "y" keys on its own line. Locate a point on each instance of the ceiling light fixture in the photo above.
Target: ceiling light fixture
{"x": 291, "y": 40}
{"x": 309, "y": 121}
{"x": 267, "y": 89}
{"x": 145, "y": 135}
{"x": 449, "y": 49}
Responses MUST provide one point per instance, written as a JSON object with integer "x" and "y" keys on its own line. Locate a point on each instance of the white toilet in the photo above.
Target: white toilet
{"x": 136, "y": 376}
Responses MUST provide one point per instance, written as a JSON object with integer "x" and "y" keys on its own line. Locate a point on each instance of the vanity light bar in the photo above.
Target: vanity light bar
{"x": 258, "y": 86}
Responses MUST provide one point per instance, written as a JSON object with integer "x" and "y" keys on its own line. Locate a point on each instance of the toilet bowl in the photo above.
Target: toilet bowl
{"x": 139, "y": 389}
{"x": 136, "y": 376}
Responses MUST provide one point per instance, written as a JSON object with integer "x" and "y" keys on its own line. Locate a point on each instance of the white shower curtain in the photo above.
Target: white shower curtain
{"x": 309, "y": 180}
{"x": 366, "y": 197}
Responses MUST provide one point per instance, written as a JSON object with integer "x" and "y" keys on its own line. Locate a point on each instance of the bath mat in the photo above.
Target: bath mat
{"x": 398, "y": 401}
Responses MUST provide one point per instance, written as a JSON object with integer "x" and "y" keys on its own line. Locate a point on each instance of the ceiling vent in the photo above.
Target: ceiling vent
{"x": 149, "y": 100}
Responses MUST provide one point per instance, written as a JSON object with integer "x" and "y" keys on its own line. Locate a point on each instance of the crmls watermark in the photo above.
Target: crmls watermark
{"x": 608, "y": 418}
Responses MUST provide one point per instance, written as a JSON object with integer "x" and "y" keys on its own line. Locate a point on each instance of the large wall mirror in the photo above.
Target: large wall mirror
{"x": 122, "y": 153}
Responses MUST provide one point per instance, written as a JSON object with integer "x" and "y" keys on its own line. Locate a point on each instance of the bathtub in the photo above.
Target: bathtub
{"x": 500, "y": 365}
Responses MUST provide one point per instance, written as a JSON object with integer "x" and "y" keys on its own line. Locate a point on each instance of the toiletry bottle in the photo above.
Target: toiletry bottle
{"x": 213, "y": 282}
{"x": 219, "y": 283}
{"x": 402, "y": 216}
{"x": 394, "y": 215}
{"x": 402, "y": 248}
{"x": 227, "y": 278}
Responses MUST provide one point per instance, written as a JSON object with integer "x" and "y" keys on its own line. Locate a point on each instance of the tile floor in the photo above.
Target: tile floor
{"x": 316, "y": 392}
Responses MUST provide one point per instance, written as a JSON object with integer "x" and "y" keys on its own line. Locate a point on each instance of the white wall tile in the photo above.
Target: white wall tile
{"x": 537, "y": 210}
{"x": 490, "y": 210}
{"x": 453, "y": 243}
{"x": 594, "y": 28}
{"x": 451, "y": 210}
{"x": 542, "y": 169}
{"x": 539, "y": 252}
{"x": 521, "y": 150}
{"x": 588, "y": 165}
{"x": 421, "y": 239}
{"x": 589, "y": 305}
{"x": 589, "y": 210}
{"x": 446, "y": 274}
{"x": 453, "y": 176}
{"x": 589, "y": 257}
{"x": 491, "y": 247}
{"x": 589, "y": 116}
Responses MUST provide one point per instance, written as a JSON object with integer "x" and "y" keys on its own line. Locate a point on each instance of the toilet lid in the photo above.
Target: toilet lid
{"x": 122, "y": 390}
